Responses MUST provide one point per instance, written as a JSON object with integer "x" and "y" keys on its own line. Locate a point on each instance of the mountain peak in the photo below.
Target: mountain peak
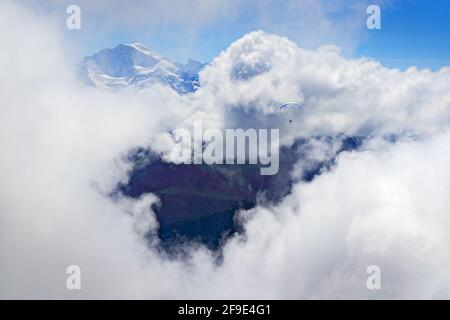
{"x": 133, "y": 65}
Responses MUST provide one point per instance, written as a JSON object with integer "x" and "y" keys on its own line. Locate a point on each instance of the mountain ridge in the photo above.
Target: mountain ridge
{"x": 135, "y": 66}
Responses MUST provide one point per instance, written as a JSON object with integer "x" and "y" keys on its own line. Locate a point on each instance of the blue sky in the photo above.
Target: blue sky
{"x": 414, "y": 32}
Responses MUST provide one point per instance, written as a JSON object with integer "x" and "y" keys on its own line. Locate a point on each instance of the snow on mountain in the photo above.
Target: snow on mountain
{"x": 133, "y": 65}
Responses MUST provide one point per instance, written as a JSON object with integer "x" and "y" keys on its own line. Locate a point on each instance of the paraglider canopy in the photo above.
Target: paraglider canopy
{"x": 289, "y": 105}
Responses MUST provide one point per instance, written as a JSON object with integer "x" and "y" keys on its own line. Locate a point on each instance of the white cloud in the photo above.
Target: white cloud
{"x": 61, "y": 149}
{"x": 353, "y": 96}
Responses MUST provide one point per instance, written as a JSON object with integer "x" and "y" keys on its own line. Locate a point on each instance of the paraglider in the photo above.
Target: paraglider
{"x": 291, "y": 104}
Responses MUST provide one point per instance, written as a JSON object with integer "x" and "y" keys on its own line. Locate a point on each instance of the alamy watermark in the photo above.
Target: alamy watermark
{"x": 236, "y": 146}
{"x": 374, "y": 20}
{"x": 73, "y": 281}
{"x": 73, "y": 21}
{"x": 373, "y": 281}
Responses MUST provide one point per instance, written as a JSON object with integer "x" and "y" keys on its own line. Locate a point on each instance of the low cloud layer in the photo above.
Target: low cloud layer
{"x": 63, "y": 148}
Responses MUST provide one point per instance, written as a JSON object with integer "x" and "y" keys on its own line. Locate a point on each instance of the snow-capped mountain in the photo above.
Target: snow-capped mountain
{"x": 133, "y": 65}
